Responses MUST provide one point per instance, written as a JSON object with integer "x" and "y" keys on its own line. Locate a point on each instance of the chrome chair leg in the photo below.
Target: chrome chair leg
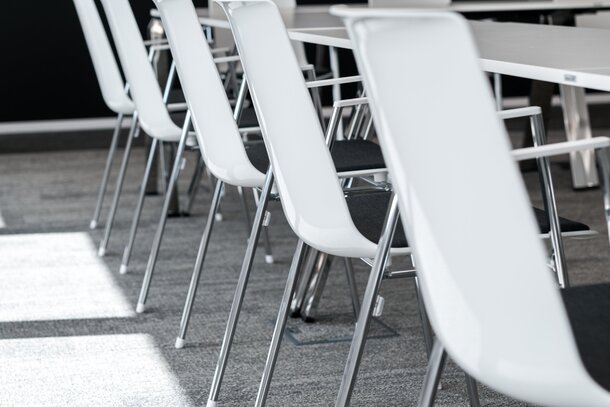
{"x": 305, "y": 276}
{"x": 268, "y": 253}
{"x": 423, "y": 316}
{"x": 351, "y": 282}
{"x": 240, "y": 290}
{"x": 212, "y": 180}
{"x": 436, "y": 363}
{"x": 163, "y": 164}
{"x": 203, "y": 248}
{"x": 246, "y": 208}
{"x": 138, "y": 211}
{"x": 106, "y": 175}
{"x": 194, "y": 185}
{"x": 473, "y": 391}
{"x": 368, "y": 304}
{"x": 154, "y": 253}
{"x": 603, "y": 157}
{"x": 133, "y": 133}
{"x": 316, "y": 286}
{"x": 550, "y": 203}
{"x": 280, "y": 325}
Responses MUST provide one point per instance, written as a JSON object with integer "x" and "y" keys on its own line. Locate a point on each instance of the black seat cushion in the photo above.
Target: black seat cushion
{"x": 566, "y": 225}
{"x": 368, "y": 213}
{"x": 347, "y": 155}
{"x": 588, "y": 309}
{"x": 248, "y": 118}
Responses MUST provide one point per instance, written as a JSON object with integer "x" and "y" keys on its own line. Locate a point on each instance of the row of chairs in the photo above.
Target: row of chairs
{"x": 299, "y": 163}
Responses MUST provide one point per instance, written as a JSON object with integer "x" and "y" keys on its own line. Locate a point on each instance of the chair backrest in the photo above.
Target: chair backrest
{"x": 491, "y": 298}
{"x": 143, "y": 85}
{"x": 312, "y": 199}
{"x": 288, "y": 9}
{"x": 220, "y": 142}
{"x": 105, "y": 65}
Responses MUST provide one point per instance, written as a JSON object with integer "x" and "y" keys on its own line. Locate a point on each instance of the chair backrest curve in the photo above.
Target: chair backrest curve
{"x": 143, "y": 85}
{"x": 104, "y": 64}
{"x": 491, "y": 298}
{"x": 219, "y": 139}
{"x": 305, "y": 175}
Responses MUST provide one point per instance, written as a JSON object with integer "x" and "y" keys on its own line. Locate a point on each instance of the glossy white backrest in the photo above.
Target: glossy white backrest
{"x": 143, "y": 84}
{"x": 220, "y": 142}
{"x": 491, "y": 298}
{"x": 312, "y": 199}
{"x": 287, "y": 8}
{"x": 105, "y": 66}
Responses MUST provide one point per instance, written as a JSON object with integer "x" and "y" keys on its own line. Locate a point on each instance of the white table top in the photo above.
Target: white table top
{"x": 311, "y": 17}
{"x": 565, "y": 55}
{"x": 498, "y": 6}
{"x": 303, "y": 17}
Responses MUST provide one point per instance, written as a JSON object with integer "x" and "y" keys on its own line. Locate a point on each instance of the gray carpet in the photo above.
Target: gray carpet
{"x": 68, "y": 335}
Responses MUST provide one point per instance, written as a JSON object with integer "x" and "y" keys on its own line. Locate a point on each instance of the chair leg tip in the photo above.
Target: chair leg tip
{"x": 140, "y": 308}
{"x": 218, "y": 217}
{"x": 269, "y": 259}
{"x": 123, "y": 269}
{"x": 211, "y": 403}
{"x": 101, "y": 252}
{"x": 179, "y": 343}
{"x": 93, "y": 224}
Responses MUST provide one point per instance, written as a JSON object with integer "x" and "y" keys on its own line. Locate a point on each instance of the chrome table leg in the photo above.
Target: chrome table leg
{"x": 578, "y": 126}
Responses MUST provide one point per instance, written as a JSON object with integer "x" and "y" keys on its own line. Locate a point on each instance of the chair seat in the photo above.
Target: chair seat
{"x": 248, "y": 118}
{"x": 567, "y": 225}
{"x": 368, "y": 211}
{"x": 347, "y": 155}
{"x": 588, "y": 309}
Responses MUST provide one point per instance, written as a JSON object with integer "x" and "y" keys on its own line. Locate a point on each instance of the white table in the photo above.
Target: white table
{"x": 547, "y": 53}
{"x": 556, "y": 54}
{"x": 317, "y": 16}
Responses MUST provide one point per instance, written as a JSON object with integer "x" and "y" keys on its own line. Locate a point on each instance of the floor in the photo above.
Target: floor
{"x": 69, "y": 334}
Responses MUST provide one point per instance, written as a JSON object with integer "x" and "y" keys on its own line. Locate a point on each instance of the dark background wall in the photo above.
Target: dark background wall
{"x": 45, "y": 69}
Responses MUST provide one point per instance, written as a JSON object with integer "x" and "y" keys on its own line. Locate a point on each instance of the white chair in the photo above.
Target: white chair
{"x": 153, "y": 115}
{"x": 500, "y": 317}
{"x": 326, "y": 225}
{"x": 222, "y": 148}
{"x": 110, "y": 82}
{"x": 311, "y": 196}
